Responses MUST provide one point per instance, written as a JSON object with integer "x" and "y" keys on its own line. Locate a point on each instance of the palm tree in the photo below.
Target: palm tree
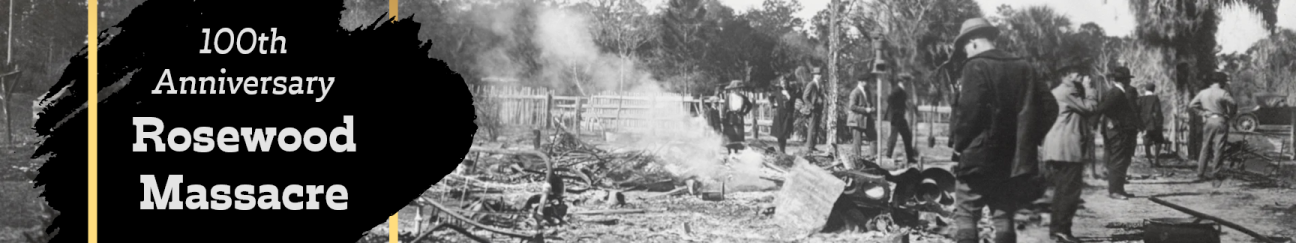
{"x": 1185, "y": 29}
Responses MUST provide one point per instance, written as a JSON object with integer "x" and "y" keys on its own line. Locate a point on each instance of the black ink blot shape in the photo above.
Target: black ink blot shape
{"x": 413, "y": 116}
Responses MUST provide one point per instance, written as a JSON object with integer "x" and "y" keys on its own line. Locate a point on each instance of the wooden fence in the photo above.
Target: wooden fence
{"x": 624, "y": 112}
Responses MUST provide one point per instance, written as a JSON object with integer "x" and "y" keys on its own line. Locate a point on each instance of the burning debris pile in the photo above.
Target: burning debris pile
{"x": 567, "y": 189}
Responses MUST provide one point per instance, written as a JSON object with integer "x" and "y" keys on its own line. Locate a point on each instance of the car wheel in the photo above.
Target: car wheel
{"x": 1246, "y": 123}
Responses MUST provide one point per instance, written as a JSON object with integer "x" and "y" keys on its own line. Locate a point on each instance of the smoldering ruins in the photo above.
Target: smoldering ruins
{"x": 589, "y": 144}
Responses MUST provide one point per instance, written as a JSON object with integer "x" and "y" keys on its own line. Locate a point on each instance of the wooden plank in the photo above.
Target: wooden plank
{"x": 807, "y": 197}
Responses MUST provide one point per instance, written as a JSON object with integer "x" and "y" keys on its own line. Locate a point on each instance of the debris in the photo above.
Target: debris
{"x": 805, "y": 200}
{"x": 1258, "y": 236}
{"x": 609, "y": 211}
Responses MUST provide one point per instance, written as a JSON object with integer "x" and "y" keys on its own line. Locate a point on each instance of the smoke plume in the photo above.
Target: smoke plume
{"x": 568, "y": 56}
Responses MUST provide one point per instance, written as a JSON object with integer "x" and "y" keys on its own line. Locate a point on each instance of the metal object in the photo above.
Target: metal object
{"x": 544, "y": 197}
{"x": 1270, "y": 109}
{"x": 715, "y": 196}
{"x": 1258, "y": 236}
{"x": 1180, "y": 230}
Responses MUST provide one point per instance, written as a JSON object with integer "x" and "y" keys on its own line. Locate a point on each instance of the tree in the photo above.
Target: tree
{"x": 1047, "y": 40}
{"x": 1272, "y": 63}
{"x": 1186, "y": 29}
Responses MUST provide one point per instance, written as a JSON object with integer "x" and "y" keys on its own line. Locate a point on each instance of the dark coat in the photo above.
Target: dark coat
{"x": 1120, "y": 108}
{"x": 861, "y": 109}
{"x": 733, "y": 125}
{"x": 1003, "y": 115}
{"x": 785, "y": 113}
{"x": 1150, "y": 110}
{"x": 897, "y": 104}
{"x": 813, "y": 95}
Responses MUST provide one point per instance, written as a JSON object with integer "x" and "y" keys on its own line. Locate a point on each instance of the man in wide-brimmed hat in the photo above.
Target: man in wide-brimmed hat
{"x": 1217, "y": 106}
{"x": 997, "y": 147}
{"x": 1119, "y": 106}
{"x": 813, "y": 97}
{"x": 736, "y": 107}
{"x": 784, "y": 101}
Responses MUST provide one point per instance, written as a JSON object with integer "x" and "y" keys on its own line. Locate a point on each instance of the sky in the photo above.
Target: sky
{"x": 1238, "y": 31}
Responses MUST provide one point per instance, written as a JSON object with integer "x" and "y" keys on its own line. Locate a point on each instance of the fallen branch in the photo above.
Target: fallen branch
{"x": 677, "y": 191}
{"x": 610, "y": 211}
{"x": 450, "y": 215}
{"x": 770, "y": 178}
{"x": 1258, "y": 236}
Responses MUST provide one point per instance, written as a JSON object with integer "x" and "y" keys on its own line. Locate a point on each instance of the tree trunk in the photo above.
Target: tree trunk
{"x": 8, "y": 98}
{"x": 831, "y": 101}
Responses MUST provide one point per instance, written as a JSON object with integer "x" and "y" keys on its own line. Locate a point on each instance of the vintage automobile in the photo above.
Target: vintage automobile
{"x": 1269, "y": 109}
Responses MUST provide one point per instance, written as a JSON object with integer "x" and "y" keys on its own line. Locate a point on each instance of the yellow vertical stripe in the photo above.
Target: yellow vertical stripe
{"x": 92, "y": 103}
{"x": 393, "y": 225}
{"x": 392, "y": 8}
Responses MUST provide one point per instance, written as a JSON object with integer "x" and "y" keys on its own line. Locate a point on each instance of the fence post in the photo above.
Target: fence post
{"x": 579, "y": 109}
{"x": 549, "y": 103}
{"x": 755, "y": 117}
{"x": 1292, "y": 132}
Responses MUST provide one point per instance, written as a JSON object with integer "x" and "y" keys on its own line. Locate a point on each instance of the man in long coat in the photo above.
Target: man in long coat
{"x": 1064, "y": 155}
{"x": 1120, "y": 109}
{"x": 784, "y": 103}
{"x": 860, "y": 118}
{"x": 1003, "y": 115}
{"x": 736, "y": 108}
{"x": 813, "y": 97}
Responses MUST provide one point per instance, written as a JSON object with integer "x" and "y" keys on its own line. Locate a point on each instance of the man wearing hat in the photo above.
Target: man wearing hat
{"x": 860, "y": 118}
{"x": 1150, "y": 109}
{"x": 785, "y": 112}
{"x": 1002, "y": 116}
{"x": 1217, "y": 106}
{"x": 1120, "y": 108}
{"x": 813, "y": 97}
{"x": 736, "y": 107}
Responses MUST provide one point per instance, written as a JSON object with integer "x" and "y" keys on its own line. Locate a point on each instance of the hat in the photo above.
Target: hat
{"x": 1217, "y": 76}
{"x": 970, "y": 28}
{"x": 734, "y": 84}
{"x": 1120, "y": 73}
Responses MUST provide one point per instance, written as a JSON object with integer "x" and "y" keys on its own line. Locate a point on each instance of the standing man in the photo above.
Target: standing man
{"x": 1216, "y": 105}
{"x": 860, "y": 118}
{"x": 814, "y": 100}
{"x": 785, "y": 116}
{"x": 1119, "y": 106}
{"x": 897, "y": 104}
{"x": 736, "y": 107}
{"x": 1003, "y": 115}
{"x": 1064, "y": 155}
{"x": 1153, "y": 137}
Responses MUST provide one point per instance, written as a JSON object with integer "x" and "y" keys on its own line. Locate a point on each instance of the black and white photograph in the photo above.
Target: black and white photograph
{"x": 962, "y": 121}
{"x": 38, "y": 37}
{"x": 864, "y": 121}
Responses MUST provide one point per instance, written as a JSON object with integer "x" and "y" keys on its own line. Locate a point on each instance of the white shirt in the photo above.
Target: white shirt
{"x": 735, "y": 101}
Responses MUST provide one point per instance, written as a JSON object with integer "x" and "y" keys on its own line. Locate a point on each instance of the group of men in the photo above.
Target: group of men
{"x": 1007, "y": 124}
{"x": 808, "y": 103}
